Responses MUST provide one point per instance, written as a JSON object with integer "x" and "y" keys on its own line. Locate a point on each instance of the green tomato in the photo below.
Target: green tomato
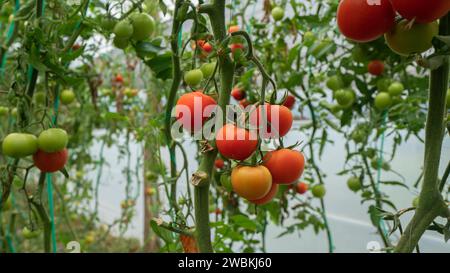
{"x": 30, "y": 234}
{"x": 406, "y": 40}
{"x": 3, "y": 111}
{"x": 345, "y": 97}
{"x": 396, "y": 89}
{"x": 123, "y": 29}
{"x": 143, "y": 26}
{"x": 277, "y": 13}
{"x": 193, "y": 77}
{"x": 309, "y": 38}
{"x": 67, "y": 97}
{"x": 366, "y": 194}
{"x": 383, "y": 101}
{"x": 383, "y": 84}
{"x": 354, "y": 184}
{"x": 358, "y": 136}
{"x": 121, "y": 43}
{"x": 40, "y": 97}
{"x": 358, "y": 54}
{"x": 108, "y": 23}
{"x": 318, "y": 191}
{"x": 208, "y": 69}
{"x": 19, "y": 145}
{"x": 53, "y": 140}
{"x": 335, "y": 83}
{"x": 415, "y": 202}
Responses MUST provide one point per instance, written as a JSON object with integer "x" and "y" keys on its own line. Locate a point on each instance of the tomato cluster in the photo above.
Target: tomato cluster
{"x": 361, "y": 21}
{"x": 48, "y": 150}
{"x": 137, "y": 27}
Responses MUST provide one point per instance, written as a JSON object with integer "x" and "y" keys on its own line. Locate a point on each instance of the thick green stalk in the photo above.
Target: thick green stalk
{"x": 216, "y": 12}
{"x": 431, "y": 203}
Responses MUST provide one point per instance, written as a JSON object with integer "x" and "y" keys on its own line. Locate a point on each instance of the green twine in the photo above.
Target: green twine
{"x": 8, "y": 38}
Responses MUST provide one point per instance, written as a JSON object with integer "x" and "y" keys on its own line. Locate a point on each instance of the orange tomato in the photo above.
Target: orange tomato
{"x": 251, "y": 183}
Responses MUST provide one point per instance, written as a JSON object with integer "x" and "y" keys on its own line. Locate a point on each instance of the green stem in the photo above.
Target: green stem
{"x": 430, "y": 199}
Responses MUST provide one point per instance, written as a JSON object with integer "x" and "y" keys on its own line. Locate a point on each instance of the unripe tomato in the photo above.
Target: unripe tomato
{"x": 285, "y": 165}
{"x": 208, "y": 69}
{"x": 415, "y": 202}
{"x": 193, "y": 109}
{"x": 289, "y": 101}
{"x": 405, "y": 40}
{"x": 30, "y": 234}
{"x": 19, "y": 145}
{"x": 375, "y": 67}
{"x": 108, "y": 23}
{"x": 123, "y": 29}
{"x": 67, "y": 97}
{"x": 121, "y": 43}
{"x": 3, "y": 111}
{"x": 193, "y": 77}
{"x": 236, "y": 143}
{"x": 383, "y": 84}
{"x": 53, "y": 140}
{"x": 301, "y": 188}
{"x": 143, "y": 26}
{"x": 318, "y": 191}
{"x": 345, "y": 97}
{"x": 354, "y": 184}
{"x": 232, "y": 29}
{"x": 251, "y": 183}
{"x": 14, "y": 112}
{"x": 268, "y": 197}
{"x": 219, "y": 163}
{"x": 309, "y": 38}
{"x": 39, "y": 97}
{"x": 50, "y": 162}
{"x": 279, "y": 120}
{"x": 383, "y": 101}
{"x": 335, "y": 83}
{"x": 358, "y": 54}
{"x": 361, "y": 22}
{"x": 422, "y": 11}
{"x": 277, "y": 13}
{"x": 238, "y": 94}
{"x": 358, "y": 136}
{"x": 396, "y": 89}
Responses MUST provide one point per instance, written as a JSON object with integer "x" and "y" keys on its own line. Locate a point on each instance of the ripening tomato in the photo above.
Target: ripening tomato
{"x": 279, "y": 120}
{"x": 119, "y": 78}
{"x": 207, "y": 47}
{"x": 301, "y": 188}
{"x": 236, "y": 143}
{"x": 268, "y": 197}
{"x": 219, "y": 163}
{"x": 375, "y": 67}
{"x": 232, "y": 29}
{"x": 236, "y": 49}
{"x": 250, "y": 182}
{"x": 285, "y": 165}
{"x": 193, "y": 109}
{"x": 289, "y": 102}
{"x": 50, "y": 162}
{"x": 407, "y": 40}
{"x": 361, "y": 22}
{"x": 422, "y": 11}
{"x": 53, "y": 140}
{"x": 19, "y": 145}
{"x": 238, "y": 94}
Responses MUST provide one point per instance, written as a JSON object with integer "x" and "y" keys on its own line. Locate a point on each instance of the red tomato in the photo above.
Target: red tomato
{"x": 232, "y": 29}
{"x": 268, "y": 197}
{"x": 289, "y": 102}
{"x": 236, "y": 46}
{"x": 76, "y": 47}
{"x": 219, "y": 163}
{"x": 50, "y": 162}
{"x": 279, "y": 120}
{"x": 422, "y": 11}
{"x": 376, "y": 67}
{"x": 207, "y": 47}
{"x": 201, "y": 43}
{"x": 218, "y": 211}
{"x": 361, "y": 22}
{"x": 301, "y": 188}
{"x": 193, "y": 109}
{"x": 119, "y": 78}
{"x": 286, "y": 166}
{"x": 238, "y": 93}
{"x": 236, "y": 143}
